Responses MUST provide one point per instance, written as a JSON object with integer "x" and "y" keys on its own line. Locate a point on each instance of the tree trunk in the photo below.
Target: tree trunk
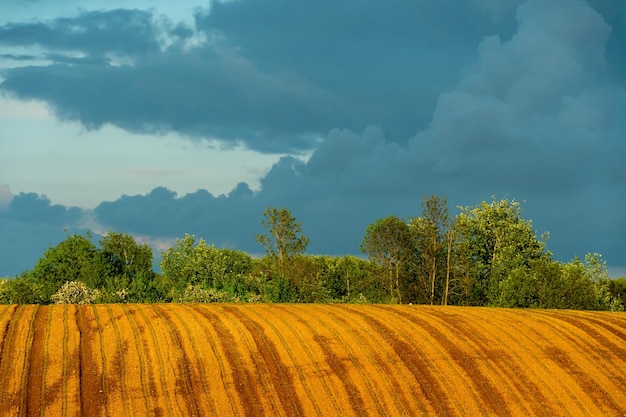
{"x": 447, "y": 290}
{"x": 398, "y": 283}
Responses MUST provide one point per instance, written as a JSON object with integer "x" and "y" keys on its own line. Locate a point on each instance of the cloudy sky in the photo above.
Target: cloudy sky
{"x": 161, "y": 118}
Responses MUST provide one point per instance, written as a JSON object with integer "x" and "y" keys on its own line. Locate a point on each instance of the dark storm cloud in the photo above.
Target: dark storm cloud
{"x": 388, "y": 60}
{"x": 30, "y": 224}
{"x": 534, "y": 119}
{"x": 121, "y": 31}
{"x": 272, "y": 77}
{"x": 276, "y": 75}
{"x": 222, "y": 220}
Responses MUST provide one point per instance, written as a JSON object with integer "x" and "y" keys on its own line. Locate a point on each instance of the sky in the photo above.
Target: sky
{"x": 159, "y": 118}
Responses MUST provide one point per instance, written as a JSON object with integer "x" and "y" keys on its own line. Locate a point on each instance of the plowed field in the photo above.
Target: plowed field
{"x": 305, "y": 360}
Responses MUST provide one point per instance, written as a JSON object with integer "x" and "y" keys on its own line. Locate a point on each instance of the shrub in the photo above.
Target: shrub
{"x": 198, "y": 294}
{"x": 74, "y": 292}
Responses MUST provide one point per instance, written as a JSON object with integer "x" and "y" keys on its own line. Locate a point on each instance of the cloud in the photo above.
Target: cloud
{"x": 273, "y": 78}
{"x": 528, "y": 120}
{"x": 29, "y": 226}
{"x": 163, "y": 214}
{"x": 212, "y": 92}
{"x": 276, "y": 77}
{"x": 128, "y": 32}
{"x": 36, "y": 208}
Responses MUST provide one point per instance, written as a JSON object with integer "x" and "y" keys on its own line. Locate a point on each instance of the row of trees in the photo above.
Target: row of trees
{"x": 486, "y": 255}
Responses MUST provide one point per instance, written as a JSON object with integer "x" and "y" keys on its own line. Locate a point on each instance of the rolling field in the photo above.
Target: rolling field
{"x": 306, "y": 360}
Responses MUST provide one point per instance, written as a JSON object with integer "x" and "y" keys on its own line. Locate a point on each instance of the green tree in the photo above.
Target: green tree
{"x": 578, "y": 290}
{"x": 519, "y": 290}
{"x": 19, "y": 290}
{"x": 598, "y": 273}
{"x": 431, "y": 234}
{"x": 388, "y": 243}
{"x": 130, "y": 277}
{"x": 125, "y": 256}
{"x": 307, "y": 276}
{"x": 617, "y": 288}
{"x": 349, "y": 277}
{"x": 284, "y": 238}
{"x": 195, "y": 263}
{"x": 74, "y": 259}
{"x": 495, "y": 240}
{"x": 229, "y": 271}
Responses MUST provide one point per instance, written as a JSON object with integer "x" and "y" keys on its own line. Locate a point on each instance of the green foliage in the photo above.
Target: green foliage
{"x": 519, "y": 289}
{"x": 389, "y": 244}
{"x": 19, "y": 290}
{"x": 143, "y": 288}
{"x": 432, "y": 240}
{"x": 349, "y": 278}
{"x": 75, "y": 292}
{"x": 495, "y": 241}
{"x": 284, "y": 238}
{"x": 74, "y": 259}
{"x": 546, "y": 284}
{"x": 198, "y": 264}
{"x": 118, "y": 267}
{"x": 488, "y": 255}
{"x": 617, "y": 289}
{"x": 124, "y": 256}
{"x": 198, "y": 294}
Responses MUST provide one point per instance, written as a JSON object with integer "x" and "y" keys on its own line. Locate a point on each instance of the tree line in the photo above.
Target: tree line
{"x": 487, "y": 255}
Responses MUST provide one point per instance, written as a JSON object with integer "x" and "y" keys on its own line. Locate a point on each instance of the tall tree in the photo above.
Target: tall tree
{"x": 496, "y": 240}
{"x": 388, "y": 243}
{"x": 431, "y": 233}
{"x": 125, "y": 256}
{"x": 74, "y": 259}
{"x": 284, "y": 237}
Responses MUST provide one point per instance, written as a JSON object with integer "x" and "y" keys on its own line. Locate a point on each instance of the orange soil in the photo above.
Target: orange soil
{"x": 304, "y": 360}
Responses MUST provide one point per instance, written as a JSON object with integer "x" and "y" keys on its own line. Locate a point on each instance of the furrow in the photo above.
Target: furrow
{"x": 313, "y": 381}
{"x": 547, "y": 336}
{"x": 221, "y": 380}
{"x": 385, "y": 363}
{"x": 14, "y": 359}
{"x": 279, "y": 373}
{"x": 253, "y": 363}
{"x": 194, "y": 361}
{"x": 344, "y": 356}
{"x": 159, "y": 392}
{"x": 183, "y": 378}
{"x": 252, "y": 400}
{"x": 7, "y": 328}
{"x": 141, "y": 400}
{"x": 485, "y": 359}
{"x": 28, "y": 357}
{"x": 91, "y": 363}
{"x": 53, "y": 397}
{"x": 425, "y": 359}
{"x": 590, "y": 369}
{"x": 35, "y": 365}
{"x": 526, "y": 363}
{"x": 118, "y": 349}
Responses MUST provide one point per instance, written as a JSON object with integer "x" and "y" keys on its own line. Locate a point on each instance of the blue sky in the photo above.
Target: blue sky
{"x": 163, "y": 118}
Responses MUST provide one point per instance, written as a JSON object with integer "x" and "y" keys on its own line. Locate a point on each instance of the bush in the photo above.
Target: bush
{"x": 19, "y": 290}
{"x": 198, "y": 294}
{"x": 75, "y": 292}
